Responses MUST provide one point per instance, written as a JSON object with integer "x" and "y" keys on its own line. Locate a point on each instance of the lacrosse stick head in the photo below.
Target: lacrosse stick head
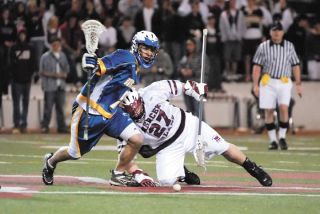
{"x": 92, "y": 30}
{"x": 199, "y": 153}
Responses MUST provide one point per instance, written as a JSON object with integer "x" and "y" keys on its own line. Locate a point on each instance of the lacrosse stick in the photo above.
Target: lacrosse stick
{"x": 199, "y": 152}
{"x": 92, "y": 30}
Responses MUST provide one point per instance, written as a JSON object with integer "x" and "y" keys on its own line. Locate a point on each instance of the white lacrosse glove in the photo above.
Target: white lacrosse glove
{"x": 89, "y": 61}
{"x": 143, "y": 178}
{"x": 195, "y": 90}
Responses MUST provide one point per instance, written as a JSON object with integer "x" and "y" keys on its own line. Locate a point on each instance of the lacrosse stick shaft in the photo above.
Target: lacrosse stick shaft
{"x": 92, "y": 30}
{"x": 203, "y": 57}
{"x": 199, "y": 152}
{"x": 86, "y": 126}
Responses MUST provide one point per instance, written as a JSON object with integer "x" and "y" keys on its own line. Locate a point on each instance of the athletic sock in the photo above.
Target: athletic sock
{"x": 283, "y": 129}
{"x": 49, "y": 164}
{"x": 271, "y": 127}
{"x": 247, "y": 164}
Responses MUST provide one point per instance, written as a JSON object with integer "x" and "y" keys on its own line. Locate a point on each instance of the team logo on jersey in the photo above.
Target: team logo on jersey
{"x": 217, "y": 138}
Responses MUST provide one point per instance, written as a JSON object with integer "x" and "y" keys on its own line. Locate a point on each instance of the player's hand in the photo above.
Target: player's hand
{"x": 256, "y": 90}
{"x": 194, "y": 89}
{"x": 299, "y": 90}
{"x": 143, "y": 179}
{"x": 89, "y": 61}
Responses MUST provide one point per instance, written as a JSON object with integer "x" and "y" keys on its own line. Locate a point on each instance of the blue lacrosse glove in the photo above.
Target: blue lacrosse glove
{"x": 89, "y": 61}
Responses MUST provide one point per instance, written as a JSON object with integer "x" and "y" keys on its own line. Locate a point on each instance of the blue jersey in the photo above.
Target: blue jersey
{"x": 117, "y": 73}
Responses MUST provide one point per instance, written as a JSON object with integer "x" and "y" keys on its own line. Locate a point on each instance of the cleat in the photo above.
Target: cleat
{"x": 263, "y": 177}
{"x": 283, "y": 144}
{"x": 190, "y": 178}
{"x": 47, "y": 172}
{"x": 273, "y": 145}
{"x": 123, "y": 179}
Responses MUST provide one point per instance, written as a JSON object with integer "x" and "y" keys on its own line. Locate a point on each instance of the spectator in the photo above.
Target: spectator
{"x": 129, "y": 7}
{"x": 231, "y": 29}
{"x": 313, "y": 52}
{"x": 161, "y": 69}
{"x": 90, "y": 12}
{"x": 175, "y": 32}
{"x": 253, "y": 34}
{"x": 214, "y": 54}
{"x": 35, "y": 29}
{"x": 297, "y": 34}
{"x": 53, "y": 31}
{"x": 284, "y": 14}
{"x": 190, "y": 69}
{"x": 109, "y": 8}
{"x": 20, "y": 15}
{"x": 148, "y": 18}
{"x": 22, "y": 58}
{"x": 125, "y": 33}
{"x": 76, "y": 9}
{"x": 108, "y": 38}
{"x": 194, "y": 20}
{"x": 71, "y": 40}
{"x": 185, "y": 8}
{"x": 7, "y": 38}
{"x": 54, "y": 68}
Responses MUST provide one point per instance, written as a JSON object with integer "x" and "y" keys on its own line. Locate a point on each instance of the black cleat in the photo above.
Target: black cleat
{"x": 123, "y": 179}
{"x": 283, "y": 144}
{"x": 273, "y": 145}
{"x": 257, "y": 172}
{"x": 190, "y": 178}
{"x": 47, "y": 172}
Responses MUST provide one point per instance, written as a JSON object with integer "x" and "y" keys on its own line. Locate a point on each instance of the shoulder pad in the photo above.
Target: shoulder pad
{"x": 118, "y": 58}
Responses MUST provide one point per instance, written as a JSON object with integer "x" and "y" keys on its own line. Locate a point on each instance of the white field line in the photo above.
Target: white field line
{"x": 157, "y": 193}
{"x": 210, "y": 163}
{"x": 103, "y": 181}
{"x": 4, "y": 162}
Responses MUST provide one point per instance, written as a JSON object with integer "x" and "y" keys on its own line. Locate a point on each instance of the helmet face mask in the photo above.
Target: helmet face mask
{"x": 133, "y": 105}
{"x": 145, "y": 47}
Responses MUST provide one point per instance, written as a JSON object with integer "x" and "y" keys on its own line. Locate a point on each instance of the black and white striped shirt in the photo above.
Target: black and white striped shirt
{"x": 276, "y": 59}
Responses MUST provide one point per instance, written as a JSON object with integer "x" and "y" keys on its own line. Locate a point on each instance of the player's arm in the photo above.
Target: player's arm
{"x": 167, "y": 89}
{"x": 297, "y": 75}
{"x": 255, "y": 78}
{"x": 256, "y": 70}
{"x": 139, "y": 175}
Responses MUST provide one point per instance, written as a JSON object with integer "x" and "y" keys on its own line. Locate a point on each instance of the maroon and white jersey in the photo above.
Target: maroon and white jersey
{"x": 162, "y": 120}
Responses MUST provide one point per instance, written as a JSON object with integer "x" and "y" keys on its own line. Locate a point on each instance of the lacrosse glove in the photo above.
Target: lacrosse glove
{"x": 195, "y": 90}
{"x": 89, "y": 61}
{"x": 143, "y": 178}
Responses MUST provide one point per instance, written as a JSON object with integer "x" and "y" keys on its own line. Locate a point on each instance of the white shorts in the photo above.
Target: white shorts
{"x": 275, "y": 92}
{"x": 170, "y": 160}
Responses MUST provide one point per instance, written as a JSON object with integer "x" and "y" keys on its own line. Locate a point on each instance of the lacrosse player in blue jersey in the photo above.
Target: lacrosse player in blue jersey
{"x": 115, "y": 75}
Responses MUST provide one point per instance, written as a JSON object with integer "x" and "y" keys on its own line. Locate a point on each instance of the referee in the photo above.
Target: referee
{"x": 274, "y": 62}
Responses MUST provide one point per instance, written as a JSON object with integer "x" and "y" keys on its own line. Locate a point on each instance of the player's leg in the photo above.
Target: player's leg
{"x": 267, "y": 101}
{"x": 122, "y": 126}
{"x": 284, "y": 97}
{"x": 216, "y": 145}
{"x": 78, "y": 146}
{"x": 170, "y": 163}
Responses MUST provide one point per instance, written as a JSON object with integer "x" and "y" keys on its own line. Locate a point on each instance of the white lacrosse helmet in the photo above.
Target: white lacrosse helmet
{"x": 133, "y": 104}
{"x": 148, "y": 39}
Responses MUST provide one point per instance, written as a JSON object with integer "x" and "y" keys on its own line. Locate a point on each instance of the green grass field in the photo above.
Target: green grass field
{"x": 226, "y": 188}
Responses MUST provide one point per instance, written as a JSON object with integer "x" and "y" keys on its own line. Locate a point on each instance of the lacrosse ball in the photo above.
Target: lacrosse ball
{"x": 176, "y": 187}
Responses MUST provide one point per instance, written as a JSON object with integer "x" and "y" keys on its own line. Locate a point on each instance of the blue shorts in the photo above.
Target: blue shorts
{"x": 98, "y": 126}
